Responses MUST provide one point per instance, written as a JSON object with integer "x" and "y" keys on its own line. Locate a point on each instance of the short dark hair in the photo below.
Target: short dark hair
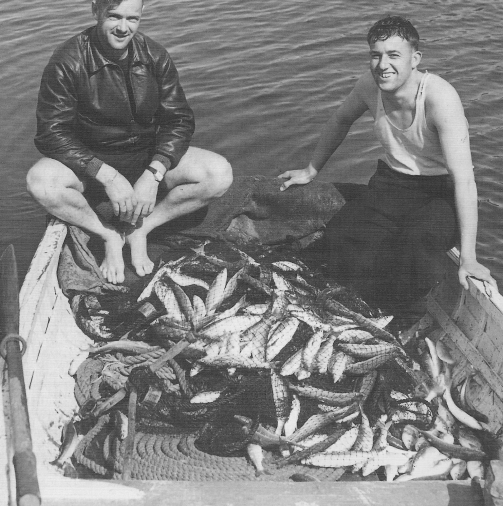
{"x": 394, "y": 26}
{"x": 105, "y": 5}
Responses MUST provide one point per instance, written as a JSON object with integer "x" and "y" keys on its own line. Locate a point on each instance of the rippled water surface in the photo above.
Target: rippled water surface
{"x": 262, "y": 78}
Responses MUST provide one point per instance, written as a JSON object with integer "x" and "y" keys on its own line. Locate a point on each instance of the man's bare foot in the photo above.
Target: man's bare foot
{"x": 137, "y": 241}
{"x": 112, "y": 266}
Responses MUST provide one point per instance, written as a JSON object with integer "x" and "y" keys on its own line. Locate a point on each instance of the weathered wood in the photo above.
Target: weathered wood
{"x": 25, "y": 465}
{"x": 465, "y": 345}
{"x": 493, "y": 488}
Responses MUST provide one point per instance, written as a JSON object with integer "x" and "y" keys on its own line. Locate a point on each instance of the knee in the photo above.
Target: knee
{"x": 218, "y": 175}
{"x": 43, "y": 181}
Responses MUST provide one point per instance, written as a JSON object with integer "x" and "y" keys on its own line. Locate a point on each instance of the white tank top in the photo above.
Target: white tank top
{"x": 415, "y": 150}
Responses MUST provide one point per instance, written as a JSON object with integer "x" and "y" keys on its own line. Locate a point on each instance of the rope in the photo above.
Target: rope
{"x": 86, "y": 441}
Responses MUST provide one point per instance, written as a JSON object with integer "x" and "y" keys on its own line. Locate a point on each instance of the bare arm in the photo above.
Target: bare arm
{"x": 332, "y": 135}
{"x": 446, "y": 113}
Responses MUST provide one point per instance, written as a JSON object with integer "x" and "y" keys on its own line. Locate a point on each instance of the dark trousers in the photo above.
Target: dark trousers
{"x": 389, "y": 244}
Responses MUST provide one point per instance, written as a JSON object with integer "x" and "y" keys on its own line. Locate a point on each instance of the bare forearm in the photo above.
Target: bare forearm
{"x": 466, "y": 206}
{"x": 331, "y": 137}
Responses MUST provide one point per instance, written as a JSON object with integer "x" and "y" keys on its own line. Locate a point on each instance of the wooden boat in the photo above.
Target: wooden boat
{"x": 469, "y": 322}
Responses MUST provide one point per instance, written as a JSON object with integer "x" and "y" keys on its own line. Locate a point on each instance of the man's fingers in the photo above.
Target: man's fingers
{"x": 136, "y": 214}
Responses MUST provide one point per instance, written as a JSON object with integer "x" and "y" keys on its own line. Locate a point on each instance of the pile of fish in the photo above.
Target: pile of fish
{"x": 335, "y": 388}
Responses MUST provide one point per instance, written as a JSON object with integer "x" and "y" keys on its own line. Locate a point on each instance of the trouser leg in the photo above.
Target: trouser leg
{"x": 357, "y": 238}
{"x": 421, "y": 245}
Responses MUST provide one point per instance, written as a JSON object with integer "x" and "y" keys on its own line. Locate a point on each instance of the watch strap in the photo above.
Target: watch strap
{"x": 157, "y": 174}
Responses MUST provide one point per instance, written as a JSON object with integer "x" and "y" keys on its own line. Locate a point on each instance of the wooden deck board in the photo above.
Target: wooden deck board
{"x": 419, "y": 493}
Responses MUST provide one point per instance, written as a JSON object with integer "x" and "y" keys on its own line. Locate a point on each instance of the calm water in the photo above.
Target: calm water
{"x": 262, "y": 78}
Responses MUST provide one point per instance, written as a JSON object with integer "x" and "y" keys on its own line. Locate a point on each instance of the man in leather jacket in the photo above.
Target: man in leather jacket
{"x": 113, "y": 124}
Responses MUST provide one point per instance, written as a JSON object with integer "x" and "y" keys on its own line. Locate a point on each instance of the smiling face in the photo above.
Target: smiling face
{"x": 392, "y": 62}
{"x": 117, "y": 25}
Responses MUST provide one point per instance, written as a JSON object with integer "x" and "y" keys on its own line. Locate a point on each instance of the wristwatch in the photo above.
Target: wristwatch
{"x": 158, "y": 175}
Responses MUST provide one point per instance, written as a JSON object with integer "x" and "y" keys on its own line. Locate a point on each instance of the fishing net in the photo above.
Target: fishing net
{"x": 227, "y": 350}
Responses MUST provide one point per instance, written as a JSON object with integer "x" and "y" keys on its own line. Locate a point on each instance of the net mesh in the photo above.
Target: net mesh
{"x": 233, "y": 355}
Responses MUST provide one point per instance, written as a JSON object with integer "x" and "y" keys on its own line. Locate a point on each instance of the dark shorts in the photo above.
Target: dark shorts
{"x": 390, "y": 242}
{"x": 130, "y": 165}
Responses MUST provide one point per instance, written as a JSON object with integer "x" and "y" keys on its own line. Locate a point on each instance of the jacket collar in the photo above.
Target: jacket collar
{"x": 98, "y": 60}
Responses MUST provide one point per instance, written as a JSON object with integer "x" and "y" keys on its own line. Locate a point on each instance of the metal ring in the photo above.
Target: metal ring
{"x": 8, "y": 338}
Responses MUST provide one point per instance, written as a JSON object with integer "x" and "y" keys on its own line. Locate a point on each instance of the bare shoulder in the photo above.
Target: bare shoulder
{"x": 440, "y": 93}
{"x": 366, "y": 89}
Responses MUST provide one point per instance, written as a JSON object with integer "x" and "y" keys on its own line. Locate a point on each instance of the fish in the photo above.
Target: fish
{"x": 292, "y": 365}
{"x": 121, "y": 423}
{"x": 475, "y": 469}
{"x": 436, "y": 365}
{"x": 232, "y": 284}
{"x": 443, "y": 353}
{"x": 410, "y": 435}
{"x": 227, "y": 360}
{"x": 215, "y": 295}
{"x": 468, "y": 439}
{"x": 340, "y": 459}
{"x": 326, "y": 396}
{"x": 311, "y": 349}
{"x": 391, "y": 471}
{"x": 70, "y": 441}
{"x": 316, "y": 422}
{"x": 184, "y": 302}
{"x": 309, "y": 318}
{"x": 337, "y": 365}
{"x": 364, "y": 440}
{"x": 262, "y": 436}
{"x": 205, "y": 397}
{"x": 368, "y": 350}
{"x": 369, "y": 364}
{"x": 457, "y": 412}
{"x": 281, "y": 283}
{"x": 345, "y": 443}
{"x": 282, "y": 334}
{"x": 238, "y": 323}
{"x": 428, "y": 462}
{"x": 458, "y": 469}
{"x": 124, "y": 346}
{"x": 452, "y": 450}
{"x": 281, "y": 397}
{"x": 293, "y": 417}
{"x": 254, "y": 339}
{"x": 77, "y": 362}
{"x": 184, "y": 280}
{"x": 170, "y": 303}
{"x": 256, "y": 455}
{"x": 321, "y": 359}
{"x": 367, "y": 384}
{"x": 256, "y": 309}
{"x": 228, "y": 313}
{"x": 286, "y": 266}
{"x": 353, "y": 336}
{"x": 199, "y": 311}
{"x": 386, "y": 458}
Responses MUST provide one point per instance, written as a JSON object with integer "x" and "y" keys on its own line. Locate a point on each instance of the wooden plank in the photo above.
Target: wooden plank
{"x": 492, "y": 304}
{"x": 374, "y": 493}
{"x": 465, "y": 345}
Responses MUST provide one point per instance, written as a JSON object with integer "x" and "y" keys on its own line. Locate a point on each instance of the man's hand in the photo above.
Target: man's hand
{"x": 145, "y": 190}
{"x": 300, "y": 176}
{"x": 119, "y": 191}
{"x": 475, "y": 270}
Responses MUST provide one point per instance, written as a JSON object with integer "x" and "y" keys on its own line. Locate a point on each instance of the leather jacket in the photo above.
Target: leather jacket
{"x": 84, "y": 108}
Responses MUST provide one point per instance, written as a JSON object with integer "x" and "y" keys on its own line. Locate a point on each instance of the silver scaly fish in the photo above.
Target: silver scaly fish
{"x": 311, "y": 349}
{"x": 215, "y": 295}
{"x": 231, "y": 324}
{"x": 281, "y": 398}
{"x": 256, "y": 455}
{"x": 321, "y": 359}
{"x": 368, "y": 350}
{"x": 293, "y": 364}
{"x": 337, "y": 364}
{"x": 326, "y": 396}
{"x": 282, "y": 335}
{"x": 291, "y": 423}
{"x": 341, "y": 459}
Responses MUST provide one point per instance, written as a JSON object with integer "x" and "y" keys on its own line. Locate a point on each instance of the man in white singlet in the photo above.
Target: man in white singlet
{"x": 389, "y": 243}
